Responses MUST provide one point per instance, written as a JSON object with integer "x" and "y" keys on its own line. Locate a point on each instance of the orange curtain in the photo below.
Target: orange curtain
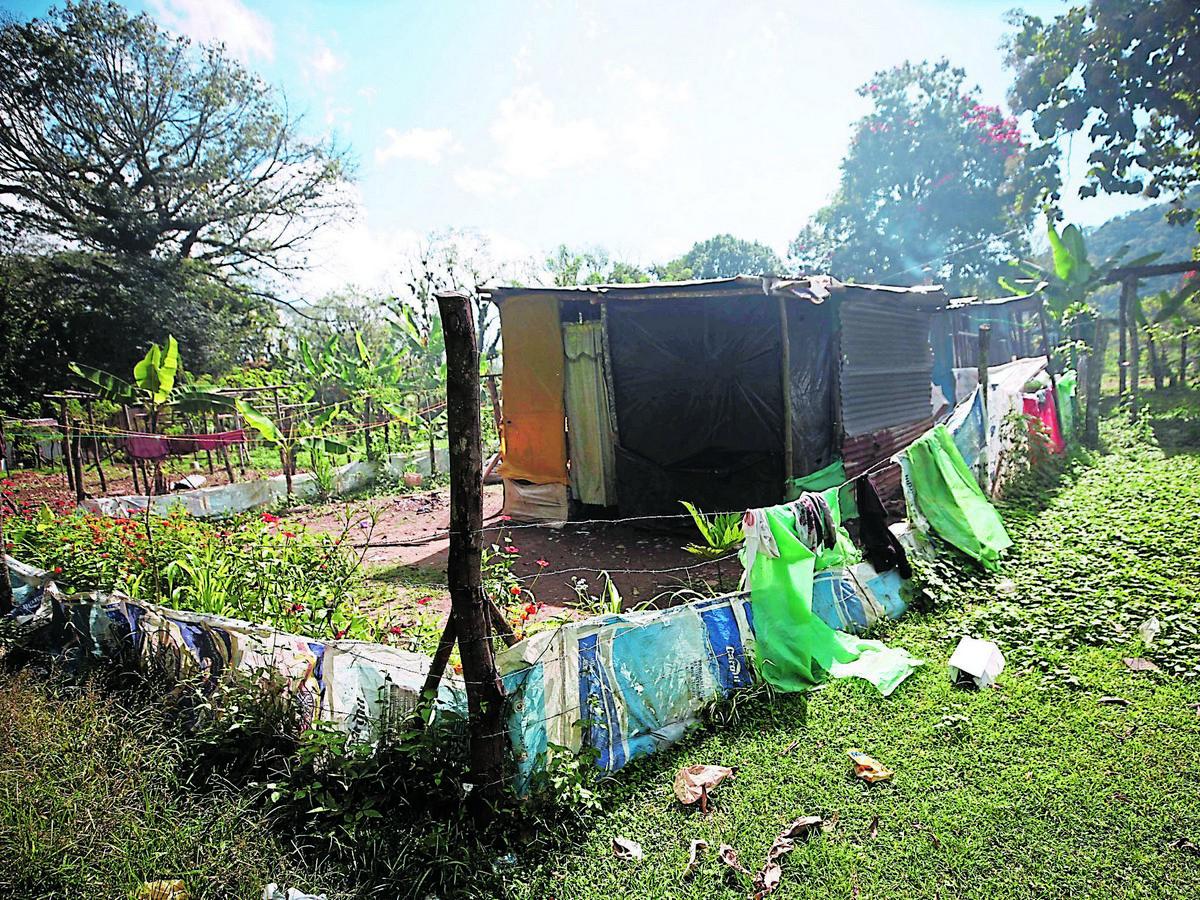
{"x": 535, "y": 444}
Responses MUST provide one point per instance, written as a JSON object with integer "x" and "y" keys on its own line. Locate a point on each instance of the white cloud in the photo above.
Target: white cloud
{"x": 422, "y": 144}
{"x": 476, "y": 180}
{"x": 245, "y": 34}
{"x": 533, "y": 141}
{"x": 325, "y": 62}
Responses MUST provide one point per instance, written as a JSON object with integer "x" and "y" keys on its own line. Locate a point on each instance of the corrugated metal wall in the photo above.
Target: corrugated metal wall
{"x": 886, "y": 365}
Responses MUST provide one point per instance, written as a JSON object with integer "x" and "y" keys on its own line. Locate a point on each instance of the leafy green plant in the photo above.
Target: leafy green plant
{"x": 254, "y": 568}
{"x": 721, "y": 533}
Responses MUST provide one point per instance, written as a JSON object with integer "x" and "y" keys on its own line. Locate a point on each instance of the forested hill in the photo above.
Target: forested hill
{"x": 1144, "y": 231}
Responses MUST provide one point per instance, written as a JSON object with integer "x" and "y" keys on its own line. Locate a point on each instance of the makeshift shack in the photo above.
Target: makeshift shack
{"x": 635, "y": 396}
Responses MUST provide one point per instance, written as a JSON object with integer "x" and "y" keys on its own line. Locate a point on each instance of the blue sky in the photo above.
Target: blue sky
{"x": 639, "y": 127}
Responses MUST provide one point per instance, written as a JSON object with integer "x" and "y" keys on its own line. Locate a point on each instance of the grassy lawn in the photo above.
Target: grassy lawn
{"x": 1041, "y": 787}
{"x": 94, "y": 800}
{"x": 1034, "y": 788}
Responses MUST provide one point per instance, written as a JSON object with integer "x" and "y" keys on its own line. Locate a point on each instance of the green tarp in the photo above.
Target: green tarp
{"x": 949, "y": 498}
{"x": 794, "y": 648}
{"x": 832, "y": 476}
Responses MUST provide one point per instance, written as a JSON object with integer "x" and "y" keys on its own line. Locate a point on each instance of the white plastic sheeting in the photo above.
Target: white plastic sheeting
{"x": 230, "y": 499}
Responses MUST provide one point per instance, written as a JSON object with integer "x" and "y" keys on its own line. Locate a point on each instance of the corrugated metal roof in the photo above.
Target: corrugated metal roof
{"x": 886, "y": 366}
{"x": 813, "y": 288}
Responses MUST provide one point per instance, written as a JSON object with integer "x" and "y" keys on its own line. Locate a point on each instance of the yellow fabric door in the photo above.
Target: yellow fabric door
{"x": 535, "y": 441}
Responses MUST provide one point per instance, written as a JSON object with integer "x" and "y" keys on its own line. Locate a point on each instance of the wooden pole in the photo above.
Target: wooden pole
{"x": 1122, "y": 332}
{"x": 1095, "y": 373}
{"x": 985, "y": 342}
{"x": 132, "y": 462}
{"x": 785, "y": 366}
{"x": 69, "y": 455}
{"x": 208, "y": 453}
{"x": 1135, "y": 357}
{"x": 91, "y": 414}
{"x": 367, "y": 426}
{"x": 283, "y": 455}
{"x": 1050, "y": 367}
{"x": 485, "y": 697}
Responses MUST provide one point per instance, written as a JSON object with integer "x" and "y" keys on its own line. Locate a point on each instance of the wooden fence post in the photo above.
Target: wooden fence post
{"x": 1050, "y": 367}
{"x": 985, "y": 342}
{"x": 1135, "y": 356}
{"x": 469, "y": 606}
{"x": 1122, "y": 336}
{"x": 1095, "y": 375}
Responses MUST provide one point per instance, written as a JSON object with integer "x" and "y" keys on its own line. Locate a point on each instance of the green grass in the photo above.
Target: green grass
{"x": 1033, "y": 788}
{"x": 93, "y": 802}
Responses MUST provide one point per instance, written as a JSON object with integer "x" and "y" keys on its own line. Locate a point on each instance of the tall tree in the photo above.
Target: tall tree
{"x": 119, "y": 137}
{"x": 569, "y": 267}
{"x": 104, "y": 311}
{"x": 722, "y": 256}
{"x": 1126, "y": 74}
{"x": 933, "y": 186}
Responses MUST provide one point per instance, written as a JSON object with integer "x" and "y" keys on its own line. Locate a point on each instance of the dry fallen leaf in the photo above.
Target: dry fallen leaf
{"x": 1114, "y": 701}
{"x": 868, "y": 769}
{"x": 694, "y": 858}
{"x": 729, "y": 856}
{"x": 830, "y": 823}
{"x": 790, "y": 747}
{"x": 625, "y": 849}
{"x": 766, "y": 880}
{"x": 693, "y": 783}
{"x": 873, "y": 829}
{"x": 1185, "y": 845}
{"x": 1137, "y": 664}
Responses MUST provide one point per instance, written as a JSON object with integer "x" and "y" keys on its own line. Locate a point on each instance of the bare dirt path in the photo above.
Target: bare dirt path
{"x": 410, "y": 534}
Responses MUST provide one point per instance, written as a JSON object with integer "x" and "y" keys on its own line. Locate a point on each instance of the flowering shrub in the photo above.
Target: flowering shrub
{"x": 249, "y": 568}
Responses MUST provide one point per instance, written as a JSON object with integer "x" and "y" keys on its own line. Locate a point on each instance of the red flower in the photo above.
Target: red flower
{"x": 288, "y": 534}
{"x": 396, "y": 629}
{"x": 340, "y": 633}
{"x": 424, "y": 600}
{"x": 511, "y": 549}
{"x": 58, "y": 570}
{"x": 506, "y": 518}
{"x": 541, "y": 564}
{"x": 531, "y": 610}
{"x": 515, "y": 590}
{"x": 269, "y": 519}
{"x": 297, "y": 607}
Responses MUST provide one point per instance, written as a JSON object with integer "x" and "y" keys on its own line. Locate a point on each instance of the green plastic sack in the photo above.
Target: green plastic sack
{"x": 794, "y": 648}
{"x": 948, "y": 496}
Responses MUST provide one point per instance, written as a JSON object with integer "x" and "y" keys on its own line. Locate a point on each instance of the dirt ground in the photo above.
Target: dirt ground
{"x": 408, "y": 544}
{"x": 38, "y": 486}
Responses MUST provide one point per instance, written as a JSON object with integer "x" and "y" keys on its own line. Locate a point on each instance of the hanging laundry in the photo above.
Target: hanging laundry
{"x": 147, "y": 446}
{"x": 795, "y": 649}
{"x": 881, "y": 548}
{"x": 1041, "y": 407}
{"x": 949, "y": 499}
{"x": 219, "y": 439}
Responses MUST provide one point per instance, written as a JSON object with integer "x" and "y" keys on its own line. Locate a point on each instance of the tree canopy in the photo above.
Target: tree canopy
{"x": 722, "y": 256}
{"x": 933, "y": 186}
{"x": 1126, "y": 74}
{"x": 119, "y": 137}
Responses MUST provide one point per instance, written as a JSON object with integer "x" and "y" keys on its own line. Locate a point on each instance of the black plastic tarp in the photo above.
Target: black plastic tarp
{"x": 699, "y": 400}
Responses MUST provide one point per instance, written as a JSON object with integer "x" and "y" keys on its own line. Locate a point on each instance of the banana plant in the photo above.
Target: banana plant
{"x": 289, "y": 439}
{"x": 359, "y": 378}
{"x": 426, "y": 345}
{"x": 154, "y": 387}
{"x": 1072, "y": 278}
